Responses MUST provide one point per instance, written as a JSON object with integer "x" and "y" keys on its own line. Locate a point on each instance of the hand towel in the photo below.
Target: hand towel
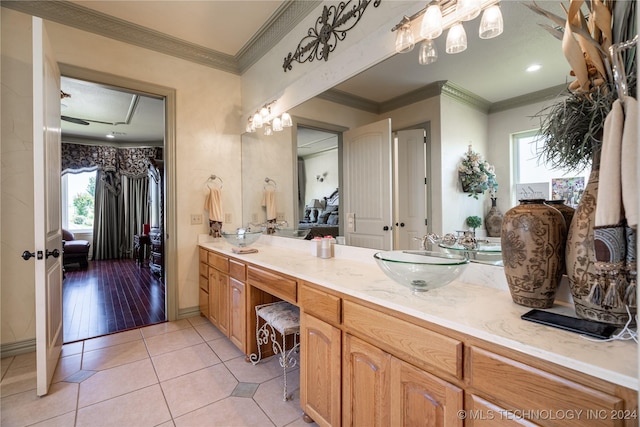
{"x": 629, "y": 166}
{"x": 269, "y": 201}
{"x": 614, "y": 241}
{"x": 213, "y": 204}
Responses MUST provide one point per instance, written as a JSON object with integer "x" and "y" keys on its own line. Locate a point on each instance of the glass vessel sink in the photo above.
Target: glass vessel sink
{"x": 421, "y": 270}
{"x": 484, "y": 252}
{"x": 242, "y": 237}
{"x": 289, "y": 232}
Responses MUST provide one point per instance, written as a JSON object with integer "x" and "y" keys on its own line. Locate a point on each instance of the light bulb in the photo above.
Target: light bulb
{"x": 257, "y": 121}
{"x": 276, "y": 124}
{"x": 468, "y": 9}
{"x": 428, "y": 52}
{"x": 264, "y": 112}
{"x": 267, "y": 130}
{"x": 404, "y": 39}
{"x": 431, "y": 26}
{"x": 456, "y": 39}
{"x": 491, "y": 24}
{"x": 286, "y": 120}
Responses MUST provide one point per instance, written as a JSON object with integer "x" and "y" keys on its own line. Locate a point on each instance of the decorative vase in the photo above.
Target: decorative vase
{"x": 493, "y": 220}
{"x": 533, "y": 239}
{"x": 567, "y": 213}
{"x": 580, "y": 260}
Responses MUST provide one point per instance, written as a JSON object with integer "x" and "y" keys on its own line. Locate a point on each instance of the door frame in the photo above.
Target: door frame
{"x": 169, "y": 152}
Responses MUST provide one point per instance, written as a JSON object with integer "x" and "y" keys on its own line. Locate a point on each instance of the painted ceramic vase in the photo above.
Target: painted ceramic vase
{"x": 493, "y": 220}
{"x": 533, "y": 241}
{"x": 580, "y": 260}
{"x": 567, "y": 213}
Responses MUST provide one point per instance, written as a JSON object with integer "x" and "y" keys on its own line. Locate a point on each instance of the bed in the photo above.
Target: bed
{"x": 322, "y": 222}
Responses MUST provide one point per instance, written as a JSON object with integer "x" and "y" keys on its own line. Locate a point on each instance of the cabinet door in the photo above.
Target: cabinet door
{"x": 421, "y": 399}
{"x": 237, "y": 323}
{"x": 320, "y": 350}
{"x": 366, "y": 384}
{"x": 219, "y": 300}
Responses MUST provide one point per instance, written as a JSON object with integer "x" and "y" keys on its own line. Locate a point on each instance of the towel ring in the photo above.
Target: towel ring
{"x": 213, "y": 178}
{"x": 270, "y": 182}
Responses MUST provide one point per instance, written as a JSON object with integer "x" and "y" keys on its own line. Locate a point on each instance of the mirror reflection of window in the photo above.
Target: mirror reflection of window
{"x": 529, "y": 168}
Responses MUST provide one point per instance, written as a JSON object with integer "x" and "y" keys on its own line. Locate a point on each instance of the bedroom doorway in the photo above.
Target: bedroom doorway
{"x": 319, "y": 169}
{"x": 161, "y": 218}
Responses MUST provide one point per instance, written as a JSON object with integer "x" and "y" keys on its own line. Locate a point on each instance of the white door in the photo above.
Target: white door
{"x": 367, "y": 186}
{"x": 46, "y": 186}
{"x": 410, "y": 188}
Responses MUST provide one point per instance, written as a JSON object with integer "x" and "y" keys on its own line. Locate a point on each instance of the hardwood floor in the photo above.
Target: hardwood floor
{"x": 110, "y": 296}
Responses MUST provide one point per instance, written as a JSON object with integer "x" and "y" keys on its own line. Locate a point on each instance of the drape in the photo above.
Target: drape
{"x": 302, "y": 182}
{"x": 122, "y": 193}
{"x": 135, "y": 211}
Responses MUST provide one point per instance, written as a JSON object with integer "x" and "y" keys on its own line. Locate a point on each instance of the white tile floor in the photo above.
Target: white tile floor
{"x": 183, "y": 373}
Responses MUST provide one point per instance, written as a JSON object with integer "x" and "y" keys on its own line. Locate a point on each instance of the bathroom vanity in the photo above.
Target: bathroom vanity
{"x": 373, "y": 353}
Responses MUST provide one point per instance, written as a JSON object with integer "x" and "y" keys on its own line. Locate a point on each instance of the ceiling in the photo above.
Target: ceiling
{"x": 493, "y": 70}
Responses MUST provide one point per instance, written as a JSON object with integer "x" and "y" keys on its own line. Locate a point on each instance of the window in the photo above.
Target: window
{"x": 533, "y": 176}
{"x": 78, "y": 192}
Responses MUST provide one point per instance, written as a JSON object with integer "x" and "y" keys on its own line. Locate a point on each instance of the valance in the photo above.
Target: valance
{"x": 115, "y": 162}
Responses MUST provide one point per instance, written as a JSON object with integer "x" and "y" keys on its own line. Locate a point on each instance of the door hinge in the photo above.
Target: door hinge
{"x": 425, "y": 180}
{"x": 426, "y": 221}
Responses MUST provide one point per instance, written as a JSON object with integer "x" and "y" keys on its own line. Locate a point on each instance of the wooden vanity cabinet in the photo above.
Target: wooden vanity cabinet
{"x": 223, "y": 296}
{"x": 321, "y": 355}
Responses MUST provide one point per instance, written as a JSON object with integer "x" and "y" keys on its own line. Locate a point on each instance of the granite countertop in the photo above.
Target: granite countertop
{"x": 477, "y": 304}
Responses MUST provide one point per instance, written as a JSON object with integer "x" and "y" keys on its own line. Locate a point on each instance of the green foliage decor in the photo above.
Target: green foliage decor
{"x": 477, "y": 175}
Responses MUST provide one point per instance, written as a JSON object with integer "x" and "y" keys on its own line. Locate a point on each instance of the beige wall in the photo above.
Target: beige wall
{"x": 16, "y": 276}
{"x": 207, "y": 142}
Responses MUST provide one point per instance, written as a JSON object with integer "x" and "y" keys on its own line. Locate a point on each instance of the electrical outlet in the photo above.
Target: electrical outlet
{"x": 228, "y": 218}
{"x": 196, "y": 219}
{"x": 280, "y": 216}
{"x": 254, "y": 218}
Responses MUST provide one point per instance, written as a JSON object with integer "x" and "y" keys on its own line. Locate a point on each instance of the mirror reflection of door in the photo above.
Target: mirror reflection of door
{"x": 410, "y": 188}
{"x": 367, "y": 156}
{"x": 117, "y": 136}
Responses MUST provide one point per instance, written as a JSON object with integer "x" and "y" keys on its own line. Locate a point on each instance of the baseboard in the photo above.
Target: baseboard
{"x": 188, "y": 312}
{"x": 17, "y": 348}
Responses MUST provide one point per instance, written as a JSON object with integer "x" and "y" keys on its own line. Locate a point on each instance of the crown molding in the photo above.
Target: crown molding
{"x": 289, "y": 14}
{"x": 348, "y": 100}
{"x": 529, "y": 98}
{"x": 463, "y": 96}
{"x": 420, "y": 94}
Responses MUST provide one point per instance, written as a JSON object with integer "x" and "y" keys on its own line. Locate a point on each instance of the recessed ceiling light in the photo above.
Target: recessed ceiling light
{"x": 110, "y": 135}
{"x": 533, "y": 67}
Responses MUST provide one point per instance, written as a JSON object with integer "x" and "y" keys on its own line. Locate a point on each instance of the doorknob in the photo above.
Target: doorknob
{"x": 401, "y": 224}
{"x": 55, "y": 253}
{"x": 385, "y": 228}
{"x": 26, "y": 255}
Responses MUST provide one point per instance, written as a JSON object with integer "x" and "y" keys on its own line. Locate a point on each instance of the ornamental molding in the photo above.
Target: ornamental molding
{"x": 70, "y": 14}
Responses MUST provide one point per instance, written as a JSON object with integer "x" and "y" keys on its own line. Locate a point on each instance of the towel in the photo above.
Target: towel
{"x": 617, "y": 210}
{"x": 269, "y": 201}
{"x": 213, "y": 204}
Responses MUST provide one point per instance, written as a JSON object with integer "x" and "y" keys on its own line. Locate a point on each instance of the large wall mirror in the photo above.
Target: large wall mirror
{"x": 477, "y": 77}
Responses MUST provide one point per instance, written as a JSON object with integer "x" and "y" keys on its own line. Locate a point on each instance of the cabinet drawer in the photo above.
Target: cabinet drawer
{"x": 204, "y": 283}
{"x": 204, "y": 269}
{"x": 237, "y": 270}
{"x": 405, "y": 340}
{"x": 203, "y": 255}
{"x": 322, "y": 305}
{"x": 272, "y": 283}
{"x": 218, "y": 262}
{"x": 517, "y": 386}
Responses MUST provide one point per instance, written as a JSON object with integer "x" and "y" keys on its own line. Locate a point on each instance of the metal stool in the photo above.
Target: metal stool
{"x": 283, "y": 317}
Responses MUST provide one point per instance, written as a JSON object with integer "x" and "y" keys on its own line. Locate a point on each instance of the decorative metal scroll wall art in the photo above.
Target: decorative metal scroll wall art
{"x": 330, "y": 27}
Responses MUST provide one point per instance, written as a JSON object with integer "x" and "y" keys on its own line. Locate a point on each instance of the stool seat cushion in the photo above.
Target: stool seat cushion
{"x": 284, "y": 317}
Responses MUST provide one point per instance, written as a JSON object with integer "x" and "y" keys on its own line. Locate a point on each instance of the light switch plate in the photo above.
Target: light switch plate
{"x": 280, "y": 216}
{"x": 228, "y": 218}
{"x": 351, "y": 222}
{"x": 196, "y": 219}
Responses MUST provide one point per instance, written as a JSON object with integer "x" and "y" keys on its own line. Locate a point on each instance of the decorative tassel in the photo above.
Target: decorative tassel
{"x": 630, "y": 296}
{"x": 612, "y": 297}
{"x": 595, "y": 294}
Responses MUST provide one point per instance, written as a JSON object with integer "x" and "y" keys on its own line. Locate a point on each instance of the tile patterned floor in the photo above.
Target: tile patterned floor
{"x": 183, "y": 373}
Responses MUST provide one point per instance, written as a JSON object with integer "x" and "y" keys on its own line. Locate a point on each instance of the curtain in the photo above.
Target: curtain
{"x": 135, "y": 209}
{"x": 302, "y": 183}
{"x": 106, "y": 222}
{"x": 122, "y": 193}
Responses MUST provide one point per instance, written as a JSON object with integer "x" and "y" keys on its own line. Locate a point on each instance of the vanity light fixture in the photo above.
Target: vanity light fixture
{"x": 440, "y": 15}
{"x": 263, "y": 118}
